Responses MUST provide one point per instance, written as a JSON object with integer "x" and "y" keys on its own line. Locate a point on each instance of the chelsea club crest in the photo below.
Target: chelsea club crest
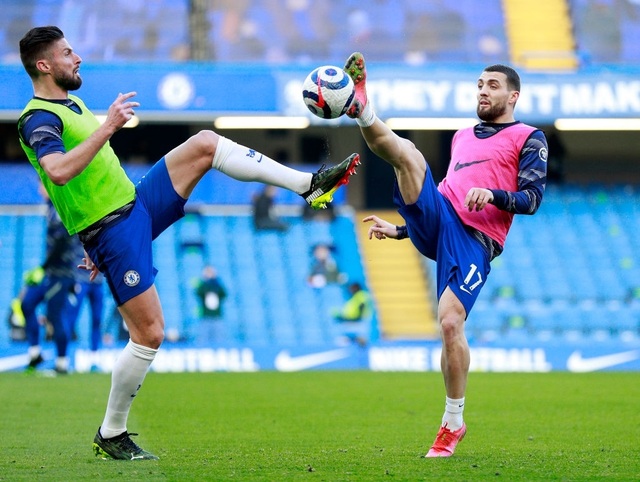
{"x": 131, "y": 278}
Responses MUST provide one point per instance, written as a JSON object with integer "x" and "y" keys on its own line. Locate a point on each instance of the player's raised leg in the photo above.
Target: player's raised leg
{"x": 326, "y": 181}
{"x": 356, "y": 69}
{"x": 189, "y": 162}
{"x": 409, "y": 163}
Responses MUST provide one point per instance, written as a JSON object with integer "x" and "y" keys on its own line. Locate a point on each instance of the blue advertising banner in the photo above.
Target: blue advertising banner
{"x": 177, "y": 92}
{"x": 539, "y": 357}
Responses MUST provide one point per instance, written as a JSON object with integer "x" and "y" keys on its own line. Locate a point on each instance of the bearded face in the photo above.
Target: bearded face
{"x": 68, "y": 81}
{"x": 495, "y": 99}
{"x": 494, "y": 110}
{"x": 63, "y": 65}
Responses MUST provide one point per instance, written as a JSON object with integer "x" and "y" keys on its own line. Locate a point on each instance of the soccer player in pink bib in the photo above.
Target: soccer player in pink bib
{"x": 498, "y": 168}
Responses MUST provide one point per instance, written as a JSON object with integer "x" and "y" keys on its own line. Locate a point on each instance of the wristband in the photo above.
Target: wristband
{"x": 402, "y": 232}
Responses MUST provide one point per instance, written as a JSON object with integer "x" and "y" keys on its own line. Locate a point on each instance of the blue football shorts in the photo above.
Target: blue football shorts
{"x": 122, "y": 250}
{"x": 436, "y": 231}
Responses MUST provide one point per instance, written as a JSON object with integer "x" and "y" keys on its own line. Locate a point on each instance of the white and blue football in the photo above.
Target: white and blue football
{"x": 328, "y": 92}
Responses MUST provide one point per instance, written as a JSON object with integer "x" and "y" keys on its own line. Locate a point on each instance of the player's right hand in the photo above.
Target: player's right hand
{"x": 380, "y": 228}
{"x": 89, "y": 265}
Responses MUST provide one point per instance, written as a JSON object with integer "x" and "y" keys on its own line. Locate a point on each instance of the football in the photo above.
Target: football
{"x": 328, "y": 92}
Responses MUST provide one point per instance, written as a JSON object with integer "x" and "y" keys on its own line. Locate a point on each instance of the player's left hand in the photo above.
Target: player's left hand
{"x": 121, "y": 111}
{"x": 477, "y": 198}
{"x": 89, "y": 266}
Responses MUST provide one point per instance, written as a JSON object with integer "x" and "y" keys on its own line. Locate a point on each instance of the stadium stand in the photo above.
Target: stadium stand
{"x": 548, "y": 48}
{"x": 570, "y": 271}
{"x": 573, "y": 270}
{"x": 397, "y": 279}
{"x": 390, "y": 30}
{"x": 123, "y": 30}
{"x": 264, "y": 273}
{"x": 582, "y": 32}
{"x": 607, "y": 31}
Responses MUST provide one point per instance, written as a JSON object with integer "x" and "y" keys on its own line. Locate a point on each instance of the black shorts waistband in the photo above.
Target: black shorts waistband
{"x": 90, "y": 232}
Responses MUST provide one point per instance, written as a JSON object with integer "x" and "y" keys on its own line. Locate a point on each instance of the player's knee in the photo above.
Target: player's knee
{"x": 205, "y": 143}
{"x": 156, "y": 337}
{"x": 152, "y": 336}
{"x": 451, "y": 325}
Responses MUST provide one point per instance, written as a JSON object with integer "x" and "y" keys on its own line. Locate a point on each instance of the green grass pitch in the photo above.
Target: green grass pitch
{"x": 326, "y": 426}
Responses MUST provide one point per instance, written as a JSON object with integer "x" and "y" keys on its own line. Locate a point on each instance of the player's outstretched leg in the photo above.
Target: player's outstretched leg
{"x": 356, "y": 69}
{"x": 446, "y": 441}
{"x": 327, "y": 181}
{"x": 120, "y": 448}
{"x": 248, "y": 165}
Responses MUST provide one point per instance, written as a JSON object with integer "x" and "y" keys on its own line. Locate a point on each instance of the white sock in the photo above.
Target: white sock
{"x": 62, "y": 363}
{"x": 248, "y": 165}
{"x": 453, "y": 413}
{"x": 34, "y": 351}
{"x": 367, "y": 117}
{"x": 127, "y": 377}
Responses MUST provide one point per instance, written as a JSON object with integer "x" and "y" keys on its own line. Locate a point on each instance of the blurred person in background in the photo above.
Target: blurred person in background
{"x": 355, "y": 315}
{"x": 264, "y": 216}
{"x": 117, "y": 220}
{"x": 498, "y": 168}
{"x": 211, "y": 294}
{"x": 91, "y": 290}
{"x": 324, "y": 268}
{"x": 51, "y": 283}
{"x": 598, "y": 30}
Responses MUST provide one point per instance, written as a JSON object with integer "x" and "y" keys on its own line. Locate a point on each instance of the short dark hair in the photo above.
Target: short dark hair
{"x": 34, "y": 43}
{"x": 354, "y": 287}
{"x": 513, "y": 79}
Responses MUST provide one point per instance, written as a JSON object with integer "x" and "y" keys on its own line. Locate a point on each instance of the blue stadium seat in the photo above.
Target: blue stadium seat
{"x": 542, "y": 320}
{"x": 571, "y": 270}
{"x": 626, "y": 321}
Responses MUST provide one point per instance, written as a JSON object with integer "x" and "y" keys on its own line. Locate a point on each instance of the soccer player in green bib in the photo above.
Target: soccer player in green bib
{"x": 117, "y": 220}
